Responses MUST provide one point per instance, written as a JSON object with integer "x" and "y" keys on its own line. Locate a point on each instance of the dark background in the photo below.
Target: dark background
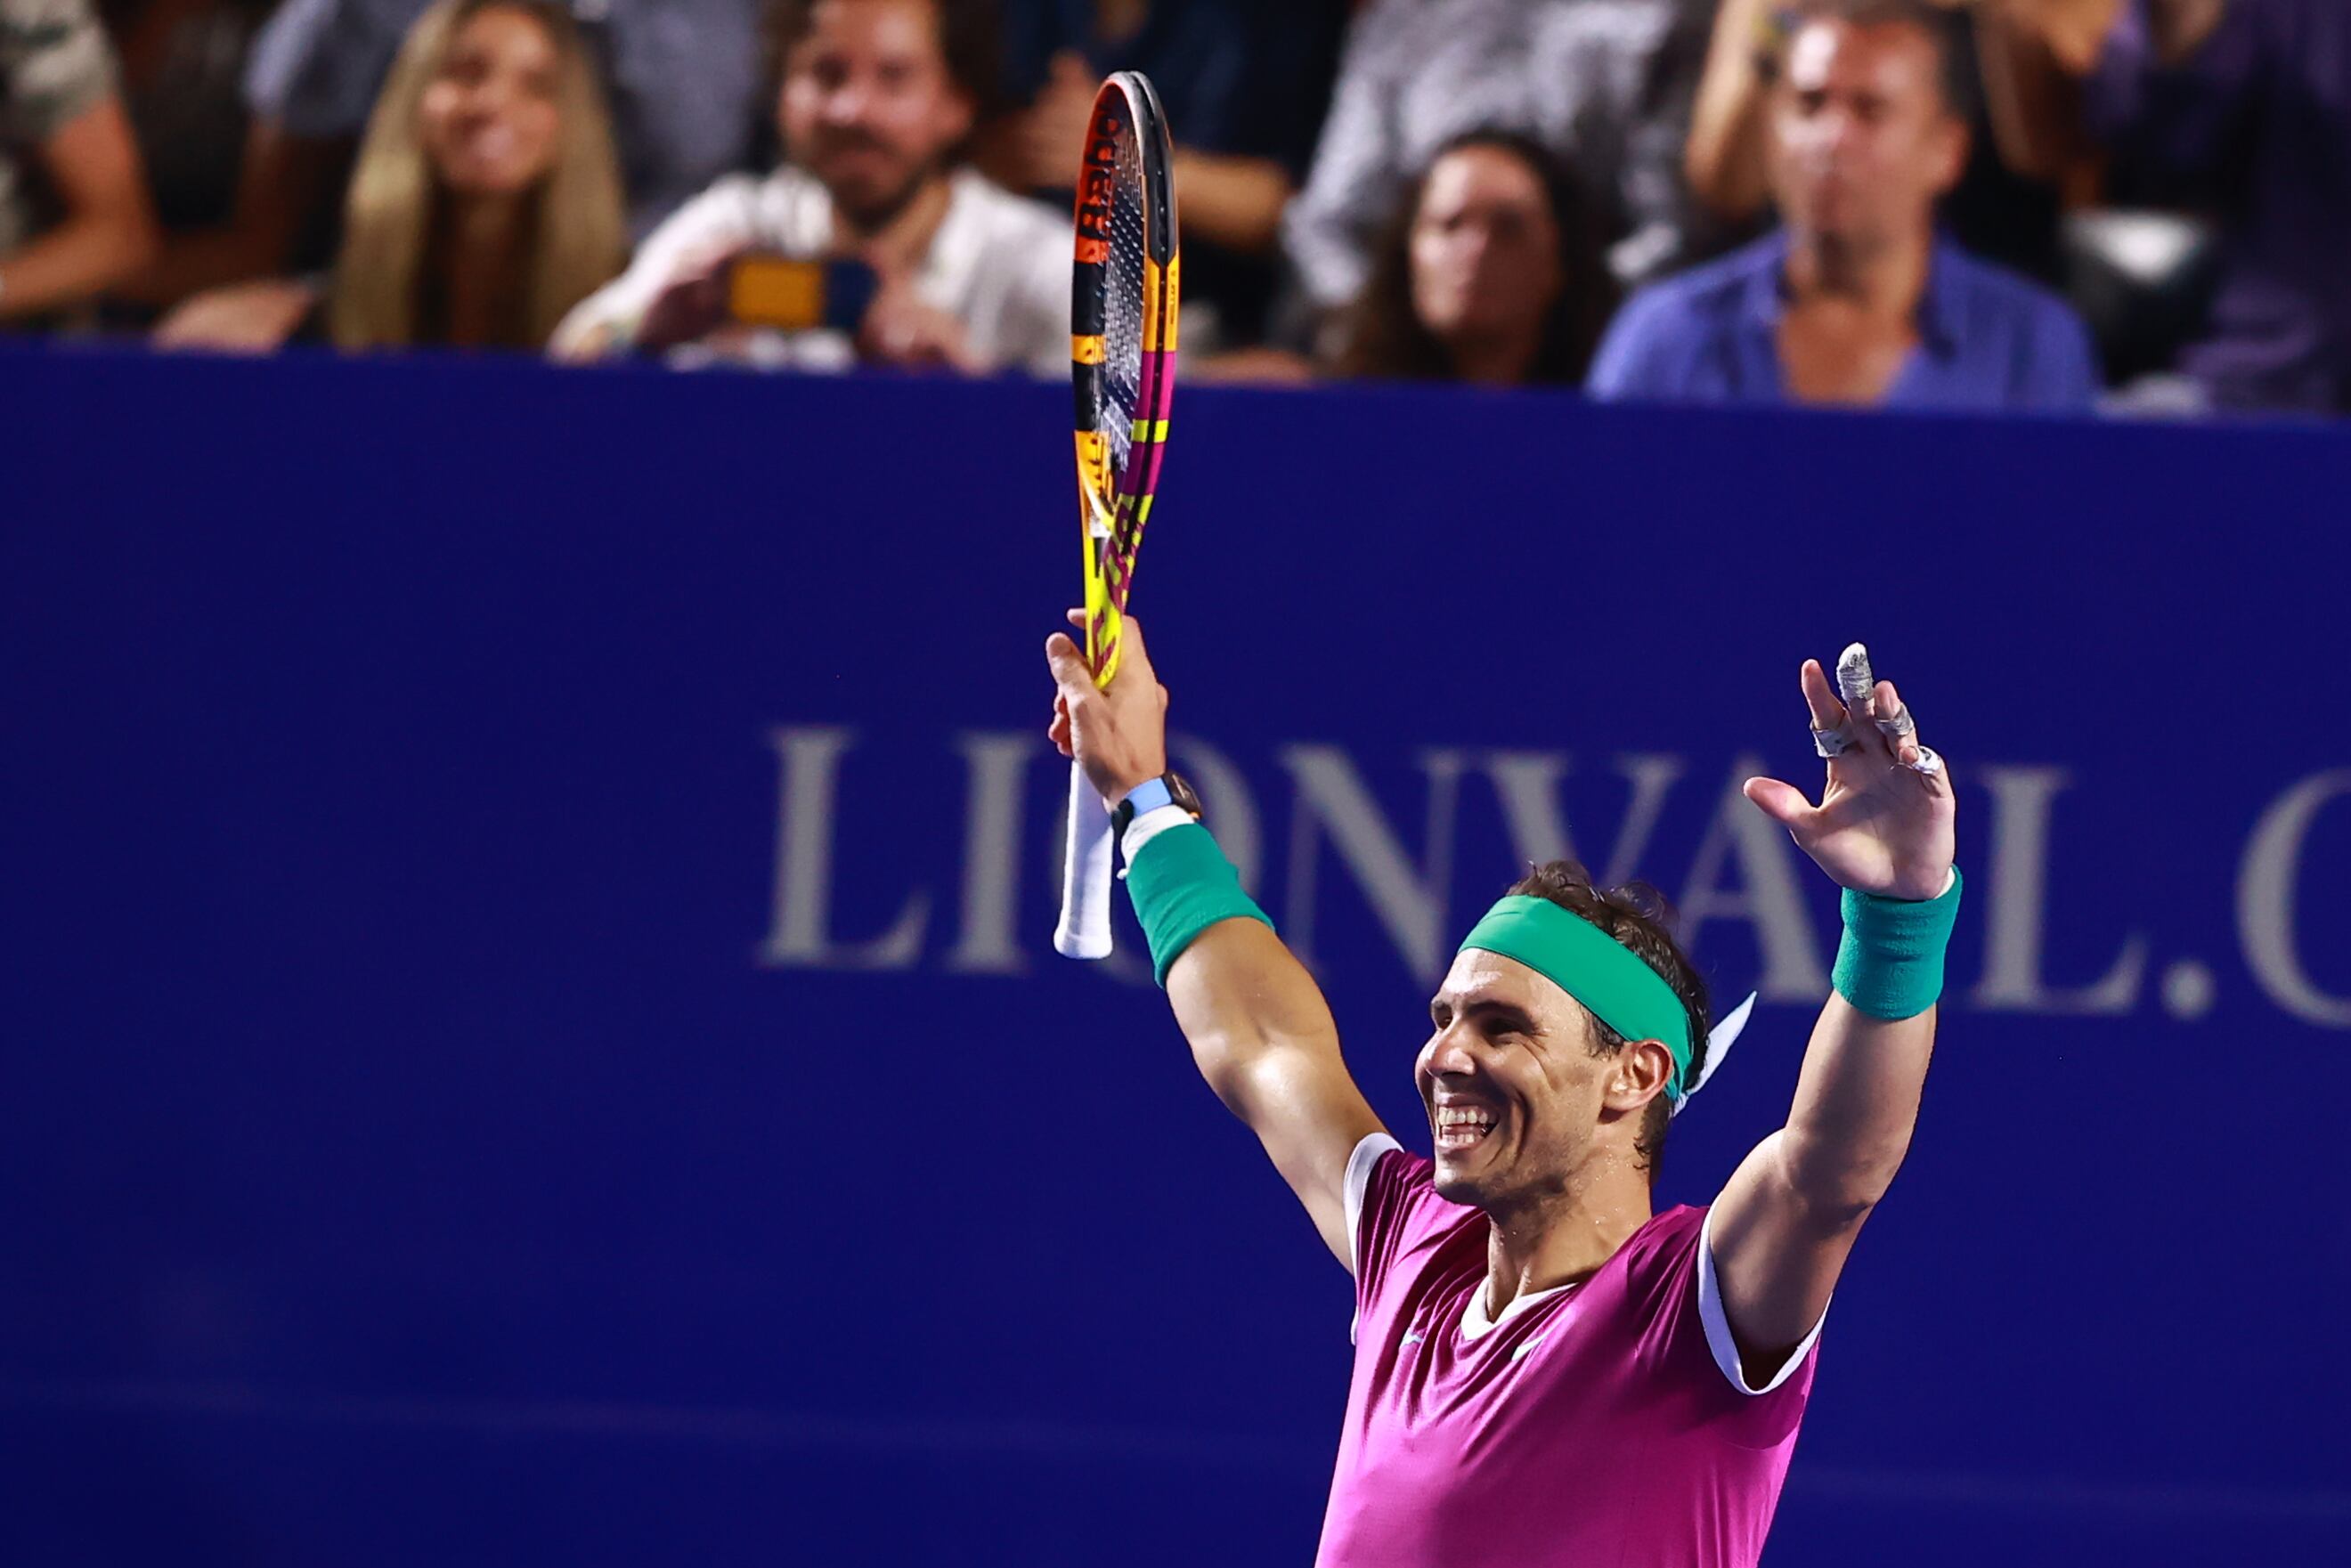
{"x": 407, "y": 1155}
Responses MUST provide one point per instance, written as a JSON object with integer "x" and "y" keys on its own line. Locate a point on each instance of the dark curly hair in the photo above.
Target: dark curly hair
{"x": 1382, "y": 334}
{"x": 1638, "y": 917}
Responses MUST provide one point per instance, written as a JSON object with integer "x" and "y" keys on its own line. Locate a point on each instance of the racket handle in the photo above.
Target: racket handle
{"x": 1086, "y": 881}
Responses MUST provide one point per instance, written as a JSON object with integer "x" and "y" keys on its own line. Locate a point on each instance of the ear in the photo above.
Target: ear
{"x": 1638, "y": 1074}
{"x": 1953, "y": 140}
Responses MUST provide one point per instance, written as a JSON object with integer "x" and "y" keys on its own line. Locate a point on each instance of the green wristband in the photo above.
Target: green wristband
{"x": 1890, "y": 964}
{"x": 1182, "y": 884}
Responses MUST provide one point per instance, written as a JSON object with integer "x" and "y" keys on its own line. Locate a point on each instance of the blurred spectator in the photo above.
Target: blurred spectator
{"x": 487, "y": 203}
{"x": 2252, "y": 100}
{"x": 1489, "y": 275}
{"x": 182, "y": 74}
{"x": 2006, "y": 205}
{"x": 878, "y": 98}
{"x": 1857, "y": 299}
{"x": 74, "y": 216}
{"x": 681, "y": 80}
{"x": 1245, "y": 84}
{"x": 1606, "y": 85}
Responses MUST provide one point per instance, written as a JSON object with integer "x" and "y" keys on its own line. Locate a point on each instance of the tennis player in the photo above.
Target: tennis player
{"x": 1547, "y": 1370}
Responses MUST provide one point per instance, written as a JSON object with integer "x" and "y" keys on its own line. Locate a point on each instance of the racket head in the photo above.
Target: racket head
{"x": 1125, "y": 293}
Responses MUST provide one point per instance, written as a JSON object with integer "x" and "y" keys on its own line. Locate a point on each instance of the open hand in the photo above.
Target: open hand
{"x": 1884, "y": 824}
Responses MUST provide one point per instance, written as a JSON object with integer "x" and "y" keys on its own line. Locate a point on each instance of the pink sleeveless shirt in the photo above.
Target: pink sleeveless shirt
{"x": 1604, "y": 1426}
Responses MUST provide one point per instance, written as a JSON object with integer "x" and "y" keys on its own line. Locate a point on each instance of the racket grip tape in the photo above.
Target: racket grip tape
{"x": 1087, "y": 884}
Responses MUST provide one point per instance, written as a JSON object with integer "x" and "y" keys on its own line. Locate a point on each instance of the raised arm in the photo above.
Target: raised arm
{"x": 1259, "y": 1028}
{"x": 1724, "y": 160}
{"x": 2025, "y": 55}
{"x": 1786, "y": 1222}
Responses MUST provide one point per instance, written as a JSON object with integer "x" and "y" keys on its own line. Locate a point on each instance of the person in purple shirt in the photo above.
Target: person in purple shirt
{"x": 1855, "y": 299}
{"x": 1548, "y": 1372}
{"x": 2255, "y": 95}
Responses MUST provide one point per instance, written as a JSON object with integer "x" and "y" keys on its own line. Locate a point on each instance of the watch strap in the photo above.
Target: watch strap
{"x": 1147, "y": 796}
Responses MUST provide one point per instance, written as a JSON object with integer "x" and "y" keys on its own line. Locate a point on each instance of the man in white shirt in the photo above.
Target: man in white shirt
{"x": 876, "y": 101}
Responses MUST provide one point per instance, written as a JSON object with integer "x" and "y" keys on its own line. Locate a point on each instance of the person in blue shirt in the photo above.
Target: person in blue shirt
{"x": 1855, "y": 299}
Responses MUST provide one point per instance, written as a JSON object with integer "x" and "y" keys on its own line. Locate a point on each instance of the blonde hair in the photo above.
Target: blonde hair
{"x": 580, "y": 240}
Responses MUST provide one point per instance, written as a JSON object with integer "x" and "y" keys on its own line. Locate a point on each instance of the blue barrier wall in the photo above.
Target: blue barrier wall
{"x": 531, "y": 1035}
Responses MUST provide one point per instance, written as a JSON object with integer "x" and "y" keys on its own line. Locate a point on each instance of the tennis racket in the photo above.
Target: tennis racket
{"x": 1122, "y": 367}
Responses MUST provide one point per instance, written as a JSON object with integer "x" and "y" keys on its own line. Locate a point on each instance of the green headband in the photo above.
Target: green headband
{"x": 1609, "y": 979}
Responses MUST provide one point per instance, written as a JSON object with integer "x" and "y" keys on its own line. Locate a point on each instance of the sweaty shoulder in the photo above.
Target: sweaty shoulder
{"x": 1663, "y": 1249}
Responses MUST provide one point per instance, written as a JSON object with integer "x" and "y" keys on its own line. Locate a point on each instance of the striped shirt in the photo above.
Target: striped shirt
{"x": 1606, "y": 84}
{"x": 54, "y": 66}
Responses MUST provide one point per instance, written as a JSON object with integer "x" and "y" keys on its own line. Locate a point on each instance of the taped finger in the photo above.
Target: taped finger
{"x": 1856, "y": 681}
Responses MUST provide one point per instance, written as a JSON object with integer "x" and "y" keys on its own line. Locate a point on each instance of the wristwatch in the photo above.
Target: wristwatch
{"x": 1167, "y": 789}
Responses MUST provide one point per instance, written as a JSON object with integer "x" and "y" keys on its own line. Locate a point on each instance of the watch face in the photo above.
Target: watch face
{"x": 1179, "y": 789}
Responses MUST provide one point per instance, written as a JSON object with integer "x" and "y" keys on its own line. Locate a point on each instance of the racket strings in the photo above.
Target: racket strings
{"x": 1123, "y": 305}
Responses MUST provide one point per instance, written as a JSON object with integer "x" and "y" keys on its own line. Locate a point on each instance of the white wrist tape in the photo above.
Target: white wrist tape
{"x": 1149, "y": 826}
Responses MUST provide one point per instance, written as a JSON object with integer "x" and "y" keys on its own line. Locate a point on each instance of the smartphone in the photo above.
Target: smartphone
{"x": 794, "y": 296}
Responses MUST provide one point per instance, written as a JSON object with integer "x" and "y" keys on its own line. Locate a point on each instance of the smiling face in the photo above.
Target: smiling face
{"x": 488, "y": 120}
{"x": 1520, "y": 1104}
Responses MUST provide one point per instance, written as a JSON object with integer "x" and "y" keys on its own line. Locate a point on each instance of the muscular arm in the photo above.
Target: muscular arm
{"x": 1263, "y": 1038}
{"x": 1785, "y": 1224}
{"x": 1258, "y": 1025}
{"x": 1787, "y": 1220}
{"x": 108, "y": 229}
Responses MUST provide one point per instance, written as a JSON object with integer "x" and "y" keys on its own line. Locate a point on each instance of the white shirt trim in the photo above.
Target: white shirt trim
{"x": 1352, "y": 1186}
{"x": 1719, "y": 1338}
{"x": 1358, "y": 1180}
{"x": 1478, "y": 1320}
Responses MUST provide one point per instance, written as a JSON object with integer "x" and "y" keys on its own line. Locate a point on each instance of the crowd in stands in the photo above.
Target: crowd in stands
{"x": 2142, "y": 205}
